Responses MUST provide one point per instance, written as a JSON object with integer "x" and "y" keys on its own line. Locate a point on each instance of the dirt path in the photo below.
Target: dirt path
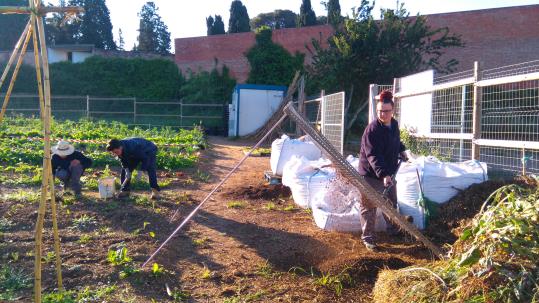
{"x": 247, "y": 244}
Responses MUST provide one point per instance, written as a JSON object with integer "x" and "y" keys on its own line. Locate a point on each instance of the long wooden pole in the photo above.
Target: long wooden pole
{"x": 55, "y": 231}
{"x": 38, "y": 70}
{"x": 15, "y": 73}
{"x": 14, "y": 53}
{"x": 40, "y": 11}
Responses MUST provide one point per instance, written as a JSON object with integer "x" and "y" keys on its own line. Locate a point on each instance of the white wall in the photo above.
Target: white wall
{"x": 56, "y": 55}
{"x": 256, "y": 107}
{"x": 79, "y": 57}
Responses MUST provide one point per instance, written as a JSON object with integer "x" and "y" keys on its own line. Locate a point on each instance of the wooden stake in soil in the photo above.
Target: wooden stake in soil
{"x": 14, "y": 54}
{"x": 16, "y": 72}
{"x": 38, "y": 70}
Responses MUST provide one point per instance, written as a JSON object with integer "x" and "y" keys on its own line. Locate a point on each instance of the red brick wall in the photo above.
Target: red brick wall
{"x": 495, "y": 37}
{"x": 199, "y": 53}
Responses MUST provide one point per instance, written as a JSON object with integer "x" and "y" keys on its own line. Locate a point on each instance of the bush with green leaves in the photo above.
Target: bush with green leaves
{"x": 270, "y": 62}
{"x": 494, "y": 260}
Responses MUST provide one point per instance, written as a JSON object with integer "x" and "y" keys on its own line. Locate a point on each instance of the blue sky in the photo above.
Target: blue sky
{"x": 186, "y": 18}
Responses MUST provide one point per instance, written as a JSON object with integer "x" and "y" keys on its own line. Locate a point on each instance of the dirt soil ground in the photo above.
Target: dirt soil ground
{"x": 247, "y": 244}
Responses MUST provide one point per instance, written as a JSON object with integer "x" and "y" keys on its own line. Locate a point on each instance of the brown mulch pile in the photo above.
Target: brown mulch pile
{"x": 454, "y": 215}
{"x": 261, "y": 191}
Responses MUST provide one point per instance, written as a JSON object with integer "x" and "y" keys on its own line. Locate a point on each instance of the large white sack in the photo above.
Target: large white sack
{"x": 408, "y": 193}
{"x": 337, "y": 208}
{"x": 306, "y": 178}
{"x": 442, "y": 180}
{"x": 284, "y": 148}
{"x": 353, "y": 161}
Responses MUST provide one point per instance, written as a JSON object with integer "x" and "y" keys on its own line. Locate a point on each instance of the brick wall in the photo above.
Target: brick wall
{"x": 200, "y": 53}
{"x": 495, "y": 37}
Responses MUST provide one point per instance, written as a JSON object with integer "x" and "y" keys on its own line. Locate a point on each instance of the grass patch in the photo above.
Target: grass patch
{"x": 84, "y": 223}
{"x": 236, "y": 204}
{"x": 270, "y": 206}
{"x": 12, "y": 280}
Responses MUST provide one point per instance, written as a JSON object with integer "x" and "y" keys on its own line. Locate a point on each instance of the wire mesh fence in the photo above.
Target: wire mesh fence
{"x": 131, "y": 111}
{"x": 505, "y": 129}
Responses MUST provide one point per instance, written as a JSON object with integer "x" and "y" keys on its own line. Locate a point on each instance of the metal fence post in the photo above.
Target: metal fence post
{"x": 462, "y": 117}
{"x": 476, "y": 135}
{"x": 87, "y": 106}
{"x": 181, "y": 113}
{"x": 134, "y": 110}
{"x": 373, "y": 91}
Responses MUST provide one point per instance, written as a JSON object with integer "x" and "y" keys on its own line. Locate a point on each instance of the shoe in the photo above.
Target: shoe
{"x": 155, "y": 194}
{"x": 370, "y": 245}
{"x": 123, "y": 194}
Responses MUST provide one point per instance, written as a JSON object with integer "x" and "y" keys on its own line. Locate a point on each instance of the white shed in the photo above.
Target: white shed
{"x": 252, "y": 106}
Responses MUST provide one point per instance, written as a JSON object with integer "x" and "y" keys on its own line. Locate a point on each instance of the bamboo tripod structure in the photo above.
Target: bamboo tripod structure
{"x": 35, "y": 30}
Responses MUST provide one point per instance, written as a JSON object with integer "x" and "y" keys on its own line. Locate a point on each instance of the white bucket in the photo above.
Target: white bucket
{"x": 107, "y": 187}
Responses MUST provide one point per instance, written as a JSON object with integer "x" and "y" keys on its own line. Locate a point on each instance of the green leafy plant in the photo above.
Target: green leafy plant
{"x": 84, "y": 239}
{"x": 235, "y": 204}
{"x": 271, "y": 206}
{"x": 84, "y": 223}
{"x": 12, "y": 280}
{"x": 118, "y": 256}
{"x": 157, "y": 270}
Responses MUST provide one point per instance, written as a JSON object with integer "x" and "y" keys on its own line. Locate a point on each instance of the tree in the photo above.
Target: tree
{"x": 365, "y": 51}
{"x": 275, "y": 20}
{"x": 94, "y": 26}
{"x": 209, "y": 25}
{"x": 307, "y": 17}
{"x": 239, "y": 18}
{"x": 218, "y": 26}
{"x": 271, "y": 63}
{"x": 215, "y": 26}
{"x": 12, "y": 25}
{"x": 334, "y": 12}
{"x": 153, "y": 33}
{"x": 121, "y": 41}
{"x": 208, "y": 86}
{"x": 60, "y": 28}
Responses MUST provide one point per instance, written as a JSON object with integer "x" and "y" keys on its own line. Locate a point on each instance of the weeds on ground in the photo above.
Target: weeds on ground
{"x": 235, "y": 204}
{"x": 202, "y": 176}
{"x": 206, "y": 273}
{"x": 177, "y": 295}
{"x": 270, "y": 206}
{"x": 85, "y": 295}
{"x": 49, "y": 257}
{"x": 265, "y": 270}
{"x": 84, "y": 223}
{"x": 5, "y": 224}
{"x": 23, "y": 196}
{"x": 336, "y": 283}
{"x": 201, "y": 242}
{"x": 289, "y": 208}
{"x": 11, "y": 281}
{"x": 157, "y": 270}
{"x": 118, "y": 258}
{"x": 84, "y": 239}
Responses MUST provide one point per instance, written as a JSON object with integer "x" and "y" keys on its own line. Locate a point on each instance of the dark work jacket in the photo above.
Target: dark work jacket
{"x": 58, "y": 162}
{"x": 135, "y": 151}
{"x": 380, "y": 148}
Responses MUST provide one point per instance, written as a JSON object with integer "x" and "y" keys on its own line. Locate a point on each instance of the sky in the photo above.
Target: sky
{"x": 187, "y": 18}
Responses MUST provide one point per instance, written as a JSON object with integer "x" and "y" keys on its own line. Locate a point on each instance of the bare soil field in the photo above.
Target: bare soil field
{"x": 249, "y": 243}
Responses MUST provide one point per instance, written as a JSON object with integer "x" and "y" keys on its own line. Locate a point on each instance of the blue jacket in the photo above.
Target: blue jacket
{"x": 64, "y": 163}
{"x": 135, "y": 151}
{"x": 380, "y": 149}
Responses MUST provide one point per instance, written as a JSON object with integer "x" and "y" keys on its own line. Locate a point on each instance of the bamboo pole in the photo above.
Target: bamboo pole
{"x": 47, "y": 148}
{"x": 55, "y": 231}
{"x": 38, "y": 71}
{"x": 15, "y": 73}
{"x": 14, "y": 54}
{"x": 40, "y": 11}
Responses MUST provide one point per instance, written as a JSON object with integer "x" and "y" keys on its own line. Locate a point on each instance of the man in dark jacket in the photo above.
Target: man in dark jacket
{"x": 132, "y": 152}
{"x": 68, "y": 165}
{"x": 378, "y": 162}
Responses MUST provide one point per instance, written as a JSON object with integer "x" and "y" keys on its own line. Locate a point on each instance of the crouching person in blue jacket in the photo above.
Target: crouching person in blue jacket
{"x": 68, "y": 165}
{"x": 132, "y": 152}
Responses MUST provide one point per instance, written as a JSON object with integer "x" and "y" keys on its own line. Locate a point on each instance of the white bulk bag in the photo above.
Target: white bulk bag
{"x": 284, "y": 148}
{"x": 305, "y": 179}
{"x": 408, "y": 193}
{"x": 442, "y": 180}
{"x": 353, "y": 161}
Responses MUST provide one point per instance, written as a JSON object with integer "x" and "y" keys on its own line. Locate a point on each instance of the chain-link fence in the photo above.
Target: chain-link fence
{"x": 131, "y": 111}
{"x": 489, "y": 115}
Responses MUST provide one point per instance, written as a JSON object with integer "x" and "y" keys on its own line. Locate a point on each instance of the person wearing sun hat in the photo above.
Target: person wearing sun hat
{"x": 68, "y": 165}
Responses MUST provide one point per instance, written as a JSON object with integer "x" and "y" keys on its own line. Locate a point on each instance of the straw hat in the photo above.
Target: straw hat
{"x": 63, "y": 148}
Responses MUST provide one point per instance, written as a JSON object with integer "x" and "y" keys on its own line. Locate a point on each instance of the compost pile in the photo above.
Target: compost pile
{"x": 260, "y": 191}
{"x": 494, "y": 259}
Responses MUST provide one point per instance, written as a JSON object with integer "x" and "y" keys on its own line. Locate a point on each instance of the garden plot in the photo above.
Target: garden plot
{"x": 248, "y": 244}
